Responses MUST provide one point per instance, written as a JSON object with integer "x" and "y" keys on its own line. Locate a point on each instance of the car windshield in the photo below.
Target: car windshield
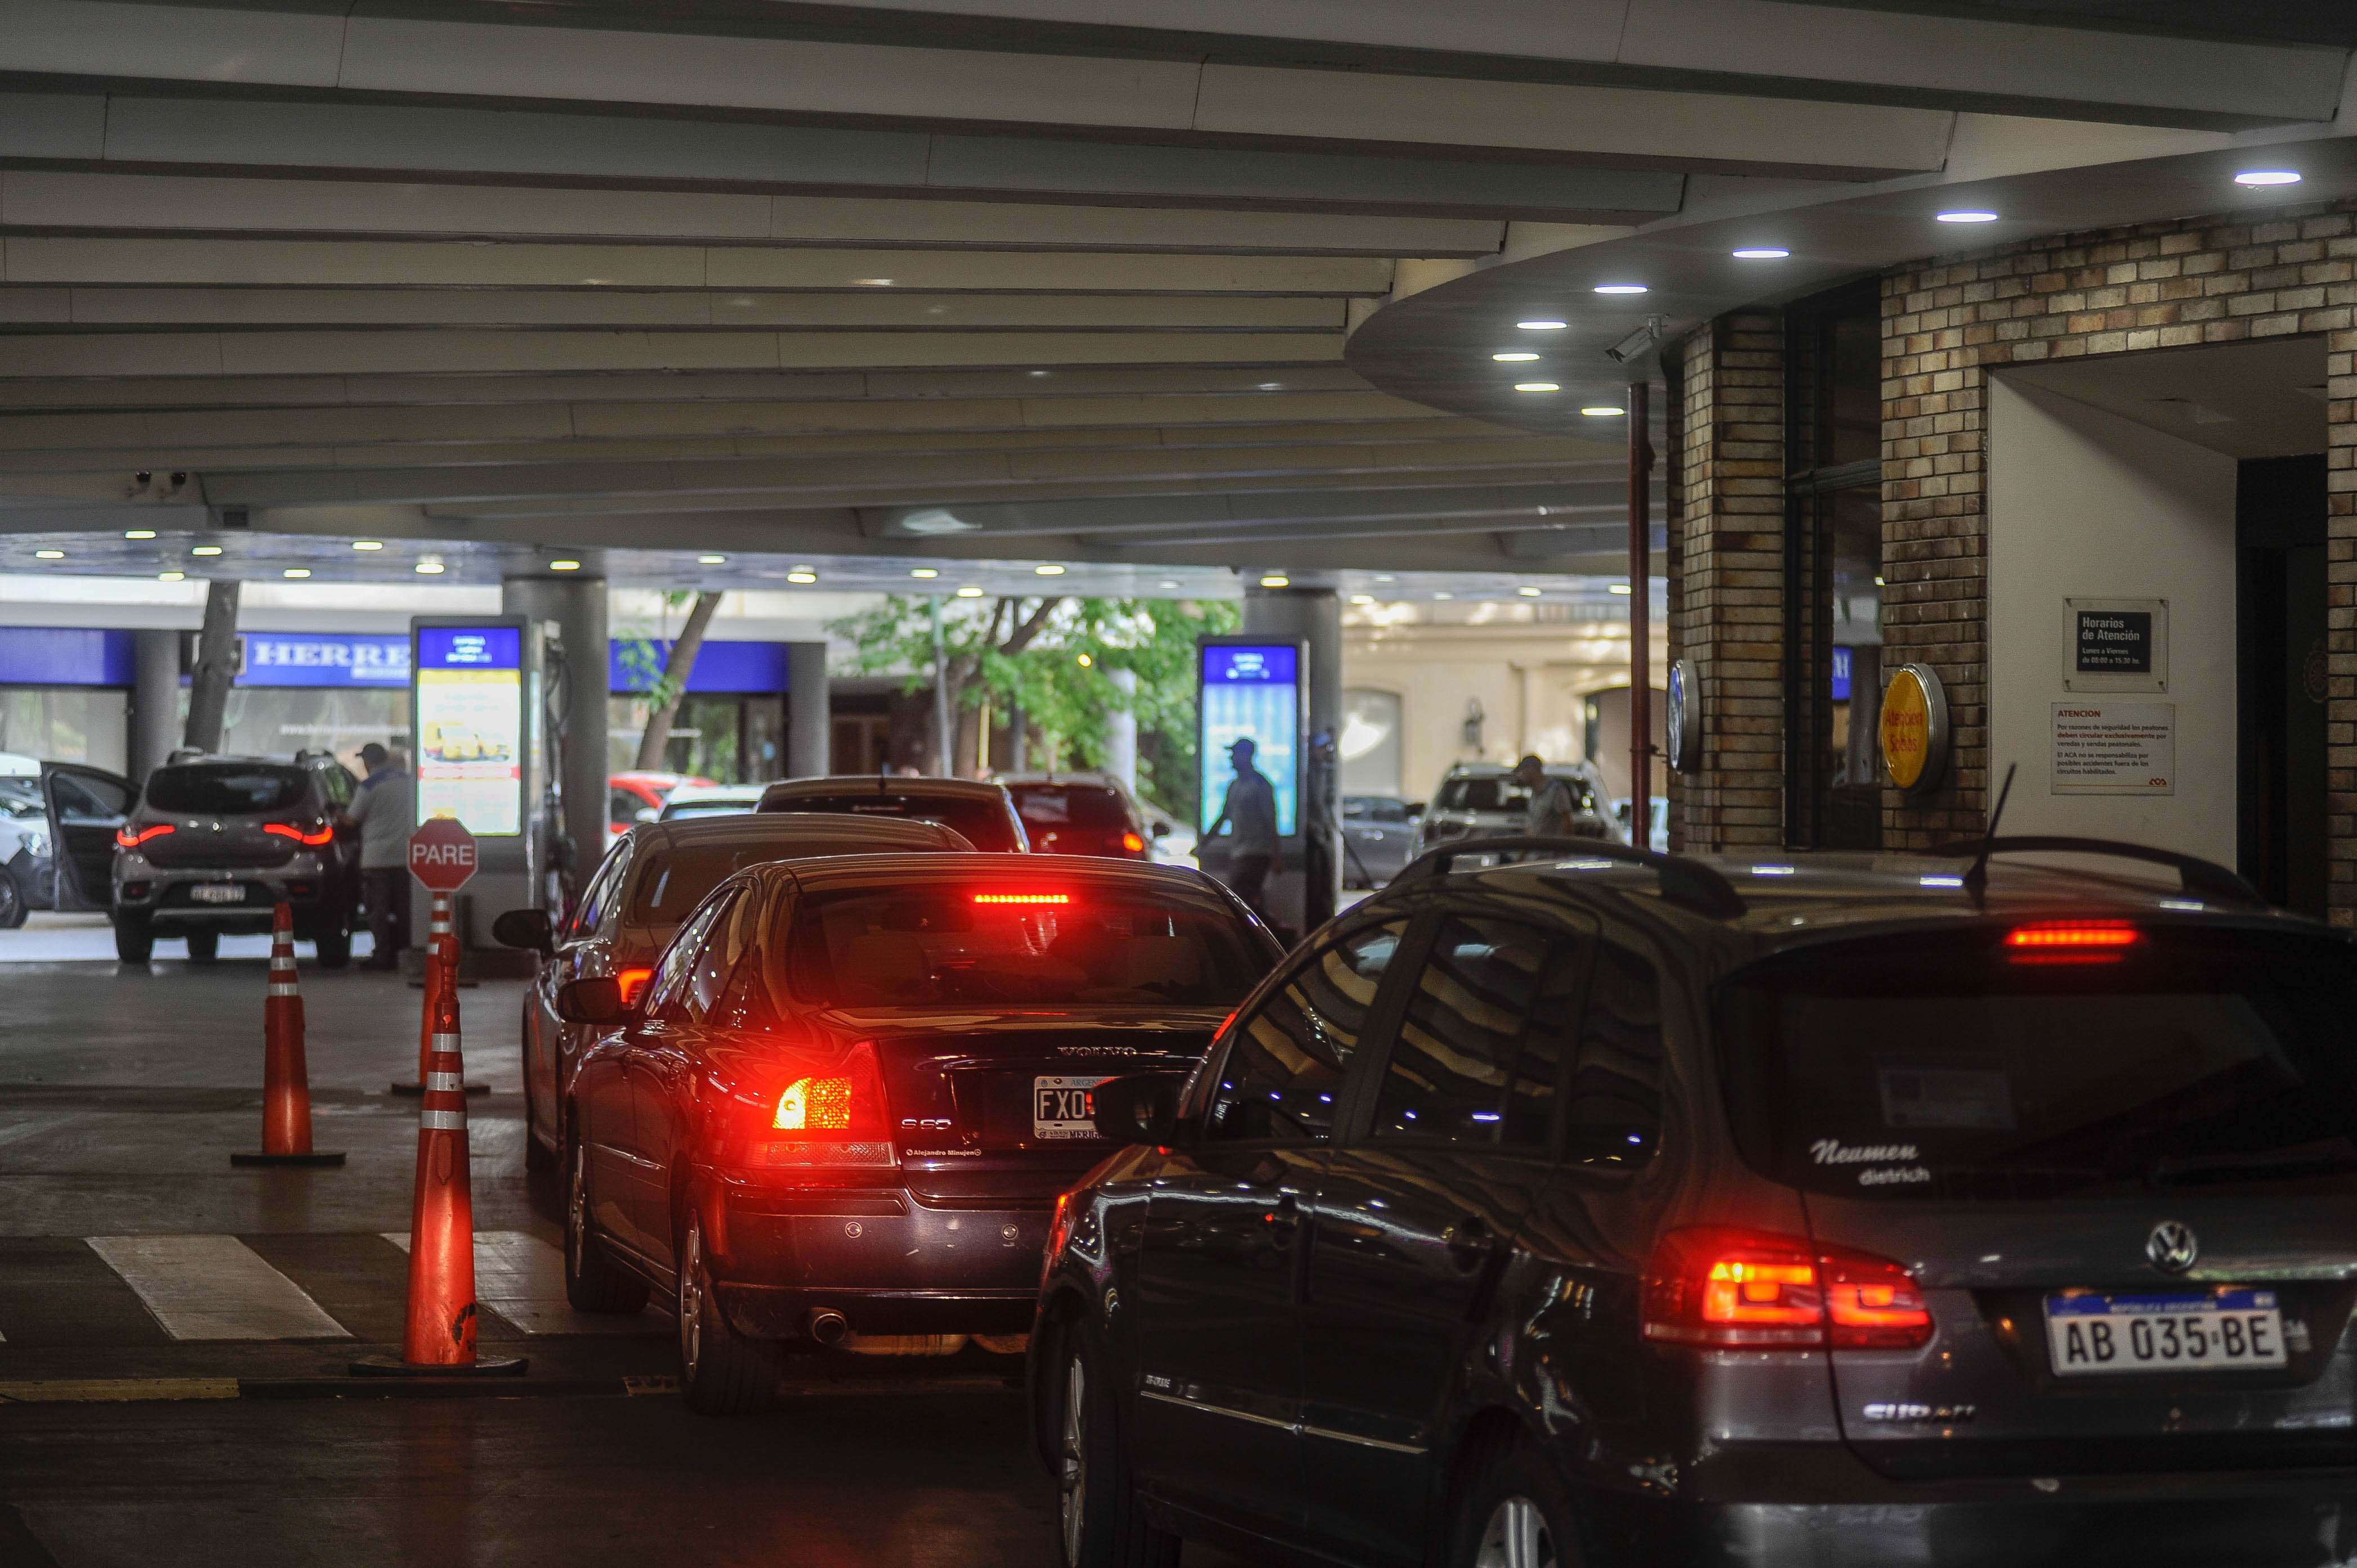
{"x": 996, "y": 944}
{"x": 982, "y": 821}
{"x": 224, "y": 789}
{"x": 1069, "y": 805}
{"x": 1373, "y": 809}
{"x": 1500, "y": 792}
{"x": 1960, "y": 1067}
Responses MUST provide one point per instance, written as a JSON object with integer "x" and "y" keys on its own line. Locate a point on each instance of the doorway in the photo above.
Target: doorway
{"x": 2281, "y": 671}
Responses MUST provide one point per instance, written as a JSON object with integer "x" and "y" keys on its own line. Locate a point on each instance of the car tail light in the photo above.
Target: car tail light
{"x": 126, "y": 839}
{"x": 289, "y": 831}
{"x": 831, "y": 1119}
{"x": 1752, "y": 1290}
{"x": 1133, "y": 844}
{"x": 1059, "y": 1228}
{"x": 2071, "y": 942}
{"x": 632, "y": 982}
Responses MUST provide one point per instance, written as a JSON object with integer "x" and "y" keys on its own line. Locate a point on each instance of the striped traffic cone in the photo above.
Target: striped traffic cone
{"x": 286, "y": 1080}
{"x": 441, "y": 973}
{"x": 438, "y": 1337}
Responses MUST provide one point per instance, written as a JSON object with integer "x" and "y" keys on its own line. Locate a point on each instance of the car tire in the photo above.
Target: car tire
{"x": 1100, "y": 1521}
{"x": 593, "y": 1282}
{"x": 1513, "y": 1513}
{"x": 720, "y": 1370}
{"x": 13, "y": 905}
{"x": 334, "y": 944}
{"x": 538, "y": 1157}
{"x": 134, "y": 939}
{"x": 203, "y": 946}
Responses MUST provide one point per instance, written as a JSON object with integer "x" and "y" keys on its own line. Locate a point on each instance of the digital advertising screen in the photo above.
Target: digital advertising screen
{"x": 469, "y": 683}
{"x": 1252, "y": 692}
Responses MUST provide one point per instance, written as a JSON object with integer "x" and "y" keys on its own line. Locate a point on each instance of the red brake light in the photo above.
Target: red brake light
{"x": 632, "y": 982}
{"x": 1741, "y": 1289}
{"x": 288, "y": 831}
{"x": 815, "y": 1105}
{"x": 1022, "y": 898}
{"x": 831, "y": 1119}
{"x": 2071, "y": 942}
{"x": 1133, "y": 844}
{"x": 129, "y": 840}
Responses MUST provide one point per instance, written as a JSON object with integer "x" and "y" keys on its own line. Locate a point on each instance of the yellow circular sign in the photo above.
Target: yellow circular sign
{"x": 1914, "y": 727}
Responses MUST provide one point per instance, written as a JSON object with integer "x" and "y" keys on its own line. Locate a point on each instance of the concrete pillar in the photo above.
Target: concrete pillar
{"x": 1121, "y": 732}
{"x": 808, "y": 711}
{"x": 577, "y": 605}
{"x": 155, "y": 700}
{"x": 1313, "y": 616}
{"x": 216, "y": 667}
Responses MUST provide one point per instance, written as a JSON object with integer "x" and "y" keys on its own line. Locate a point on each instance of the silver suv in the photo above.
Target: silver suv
{"x": 1483, "y": 800}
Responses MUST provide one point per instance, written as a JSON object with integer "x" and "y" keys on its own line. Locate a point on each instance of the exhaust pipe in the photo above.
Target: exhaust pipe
{"x": 827, "y": 1325}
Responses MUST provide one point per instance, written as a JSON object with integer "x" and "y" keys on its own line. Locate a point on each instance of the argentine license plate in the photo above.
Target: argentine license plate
{"x": 2229, "y": 1329}
{"x": 1060, "y": 1107}
{"x": 217, "y": 893}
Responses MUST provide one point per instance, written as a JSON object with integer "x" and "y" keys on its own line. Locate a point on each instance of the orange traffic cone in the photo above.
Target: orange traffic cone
{"x": 441, "y": 973}
{"x": 286, "y": 1082}
{"x": 439, "y": 1339}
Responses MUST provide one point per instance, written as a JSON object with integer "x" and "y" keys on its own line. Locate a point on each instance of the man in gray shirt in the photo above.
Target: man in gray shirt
{"x": 1552, "y": 808}
{"x": 384, "y": 809}
{"x": 1251, "y": 809}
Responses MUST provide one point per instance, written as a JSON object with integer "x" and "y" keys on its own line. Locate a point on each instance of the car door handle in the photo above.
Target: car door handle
{"x": 1468, "y": 1242}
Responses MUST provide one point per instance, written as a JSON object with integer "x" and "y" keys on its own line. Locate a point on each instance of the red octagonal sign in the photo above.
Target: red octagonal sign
{"x": 442, "y": 854}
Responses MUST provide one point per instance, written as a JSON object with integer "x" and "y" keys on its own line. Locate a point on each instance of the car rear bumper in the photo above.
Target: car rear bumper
{"x": 165, "y": 899}
{"x": 781, "y": 1312}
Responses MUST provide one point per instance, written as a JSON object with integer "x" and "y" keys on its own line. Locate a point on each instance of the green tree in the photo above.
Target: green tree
{"x": 1049, "y": 657}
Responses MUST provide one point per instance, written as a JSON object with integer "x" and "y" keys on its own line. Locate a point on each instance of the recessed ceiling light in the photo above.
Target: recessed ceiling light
{"x": 296, "y": 571}
{"x": 873, "y": 283}
{"x": 969, "y": 592}
{"x": 802, "y": 574}
{"x": 1537, "y": 386}
{"x": 1968, "y": 216}
{"x": 48, "y": 555}
{"x": 2267, "y": 176}
{"x": 1514, "y": 359}
{"x": 1444, "y": 596}
{"x": 1619, "y": 288}
{"x": 1530, "y": 593}
{"x": 1385, "y": 577}
{"x": 1602, "y": 410}
{"x": 1363, "y": 599}
{"x": 1762, "y": 253}
{"x": 1167, "y": 583}
{"x": 431, "y": 568}
{"x": 1049, "y": 570}
{"x": 206, "y": 549}
{"x": 564, "y": 565}
{"x": 1276, "y": 580}
{"x": 139, "y": 533}
{"x": 368, "y": 543}
{"x": 1038, "y": 373}
{"x": 922, "y": 571}
{"x": 171, "y": 576}
{"x": 712, "y": 559}
{"x": 1541, "y": 326}
{"x": 1620, "y": 587}
{"x": 1272, "y": 386}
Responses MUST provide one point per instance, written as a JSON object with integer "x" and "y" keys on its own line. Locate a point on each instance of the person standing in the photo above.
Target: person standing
{"x": 1251, "y": 811}
{"x": 384, "y": 809}
{"x": 1552, "y": 811}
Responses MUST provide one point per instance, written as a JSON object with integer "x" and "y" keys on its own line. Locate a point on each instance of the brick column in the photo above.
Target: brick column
{"x": 1726, "y": 595}
{"x": 2340, "y": 576}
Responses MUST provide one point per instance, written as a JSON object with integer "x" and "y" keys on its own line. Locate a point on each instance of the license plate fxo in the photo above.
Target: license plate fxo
{"x": 217, "y": 893}
{"x": 1062, "y": 1107}
{"x": 2223, "y": 1330}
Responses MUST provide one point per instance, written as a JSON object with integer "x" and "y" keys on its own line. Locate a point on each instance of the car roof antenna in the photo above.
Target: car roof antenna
{"x": 1976, "y": 879}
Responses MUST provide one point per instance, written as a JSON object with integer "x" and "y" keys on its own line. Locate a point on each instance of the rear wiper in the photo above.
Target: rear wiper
{"x": 2278, "y": 1162}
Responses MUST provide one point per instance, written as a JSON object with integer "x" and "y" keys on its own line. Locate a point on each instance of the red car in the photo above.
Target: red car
{"x": 635, "y": 798}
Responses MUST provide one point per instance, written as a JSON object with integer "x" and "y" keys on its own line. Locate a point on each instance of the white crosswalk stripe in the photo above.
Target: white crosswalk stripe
{"x": 521, "y": 1278}
{"x": 214, "y": 1287}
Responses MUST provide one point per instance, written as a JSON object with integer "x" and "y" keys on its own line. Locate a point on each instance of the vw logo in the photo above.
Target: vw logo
{"x": 2172, "y": 1247}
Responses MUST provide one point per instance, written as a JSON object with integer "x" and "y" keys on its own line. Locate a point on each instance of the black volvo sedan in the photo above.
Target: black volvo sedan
{"x": 850, "y": 1095}
{"x": 1626, "y": 1208}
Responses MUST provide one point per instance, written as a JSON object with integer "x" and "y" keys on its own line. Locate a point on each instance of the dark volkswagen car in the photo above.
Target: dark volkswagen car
{"x": 984, "y": 813}
{"x": 1626, "y": 1208}
{"x": 847, "y": 1100}
{"x": 1081, "y": 813}
{"x": 649, "y": 880}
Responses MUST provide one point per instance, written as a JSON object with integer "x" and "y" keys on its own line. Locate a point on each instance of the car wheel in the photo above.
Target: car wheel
{"x": 334, "y": 943}
{"x": 134, "y": 939}
{"x": 721, "y": 1371}
{"x": 1514, "y": 1515}
{"x": 1099, "y": 1522}
{"x": 203, "y": 946}
{"x": 593, "y": 1282}
{"x": 13, "y": 906}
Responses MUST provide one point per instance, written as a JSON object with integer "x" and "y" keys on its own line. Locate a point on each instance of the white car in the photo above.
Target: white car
{"x": 27, "y": 871}
{"x": 710, "y": 801}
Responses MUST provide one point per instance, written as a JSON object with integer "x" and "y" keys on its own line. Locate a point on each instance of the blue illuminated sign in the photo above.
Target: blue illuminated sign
{"x": 1251, "y": 692}
{"x": 1228, "y": 665}
{"x": 469, "y": 648}
{"x": 1841, "y": 675}
{"x": 317, "y": 658}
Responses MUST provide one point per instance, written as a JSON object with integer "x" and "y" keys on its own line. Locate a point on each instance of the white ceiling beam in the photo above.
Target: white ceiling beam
{"x": 154, "y": 204}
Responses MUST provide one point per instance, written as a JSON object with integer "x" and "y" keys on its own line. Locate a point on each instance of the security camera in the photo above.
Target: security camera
{"x": 1641, "y": 342}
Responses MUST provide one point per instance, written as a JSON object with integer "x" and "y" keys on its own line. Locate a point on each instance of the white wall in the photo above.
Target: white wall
{"x": 2085, "y": 504}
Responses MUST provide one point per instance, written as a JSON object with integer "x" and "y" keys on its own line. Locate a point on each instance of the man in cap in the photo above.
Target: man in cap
{"x": 385, "y": 808}
{"x": 1552, "y": 811}
{"x": 1250, "y": 809}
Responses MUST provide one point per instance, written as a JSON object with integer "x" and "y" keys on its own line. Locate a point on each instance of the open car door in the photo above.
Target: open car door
{"x": 87, "y": 807}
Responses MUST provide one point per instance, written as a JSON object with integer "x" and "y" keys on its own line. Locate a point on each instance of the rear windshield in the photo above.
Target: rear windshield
{"x": 1501, "y": 794}
{"x": 225, "y": 788}
{"x": 673, "y": 881}
{"x": 678, "y": 809}
{"x": 984, "y": 822}
{"x": 961, "y": 944}
{"x": 1069, "y": 805}
{"x": 1961, "y": 1068}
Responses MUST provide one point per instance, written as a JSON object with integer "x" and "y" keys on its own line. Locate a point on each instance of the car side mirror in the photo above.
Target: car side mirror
{"x": 595, "y": 1000}
{"x": 1415, "y": 808}
{"x": 1143, "y": 1108}
{"x": 529, "y": 930}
